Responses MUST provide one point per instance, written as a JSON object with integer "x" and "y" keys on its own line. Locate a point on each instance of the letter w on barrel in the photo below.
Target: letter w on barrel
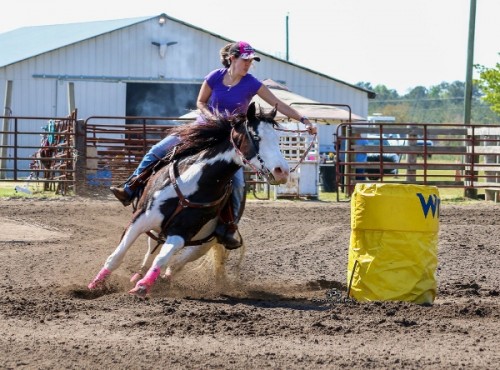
{"x": 432, "y": 203}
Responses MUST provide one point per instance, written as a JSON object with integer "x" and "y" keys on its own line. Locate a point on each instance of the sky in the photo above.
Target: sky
{"x": 397, "y": 43}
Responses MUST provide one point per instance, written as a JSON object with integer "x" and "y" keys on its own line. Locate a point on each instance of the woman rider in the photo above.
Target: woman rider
{"x": 227, "y": 90}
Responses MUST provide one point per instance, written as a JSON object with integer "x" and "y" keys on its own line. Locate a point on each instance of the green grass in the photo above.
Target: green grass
{"x": 8, "y": 190}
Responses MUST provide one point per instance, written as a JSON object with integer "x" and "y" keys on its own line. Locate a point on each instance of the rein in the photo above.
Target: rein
{"x": 306, "y": 151}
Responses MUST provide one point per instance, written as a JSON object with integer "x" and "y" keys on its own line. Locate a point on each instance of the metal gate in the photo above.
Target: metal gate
{"x": 39, "y": 149}
{"x": 445, "y": 155}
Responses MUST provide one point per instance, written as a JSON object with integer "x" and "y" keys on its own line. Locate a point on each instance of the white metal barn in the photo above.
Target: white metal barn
{"x": 140, "y": 66}
{"x": 148, "y": 66}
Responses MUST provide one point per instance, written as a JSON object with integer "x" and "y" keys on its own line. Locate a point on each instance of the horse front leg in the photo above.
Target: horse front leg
{"x": 116, "y": 258}
{"x": 169, "y": 248}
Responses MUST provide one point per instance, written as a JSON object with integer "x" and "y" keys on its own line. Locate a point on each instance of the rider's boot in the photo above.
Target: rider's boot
{"x": 227, "y": 230}
{"x": 122, "y": 195}
{"x": 131, "y": 189}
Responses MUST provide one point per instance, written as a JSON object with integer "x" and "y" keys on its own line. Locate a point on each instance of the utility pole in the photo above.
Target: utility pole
{"x": 286, "y": 32}
{"x": 470, "y": 192}
{"x": 470, "y": 63}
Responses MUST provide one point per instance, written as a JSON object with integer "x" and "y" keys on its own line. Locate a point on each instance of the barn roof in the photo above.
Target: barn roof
{"x": 27, "y": 42}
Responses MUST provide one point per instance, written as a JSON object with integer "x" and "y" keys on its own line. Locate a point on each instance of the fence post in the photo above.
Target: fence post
{"x": 81, "y": 157}
{"x": 5, "y": 128}
{"x": 411, "y": 172}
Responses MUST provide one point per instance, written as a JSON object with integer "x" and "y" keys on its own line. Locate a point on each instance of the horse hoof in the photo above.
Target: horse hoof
{"x": 96, "y": 284}
{"x": 140, "y": 291}
{"x": 168, "y": 274}
{"x": 98, "y": 281}
{"x": 136, "y": 277}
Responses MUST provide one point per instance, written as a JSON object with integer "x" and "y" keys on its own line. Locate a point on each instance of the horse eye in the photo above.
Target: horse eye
{"x": 256, "y": 137}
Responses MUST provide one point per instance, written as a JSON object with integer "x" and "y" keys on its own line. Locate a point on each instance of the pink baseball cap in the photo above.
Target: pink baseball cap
{"x": 242, "y": 49}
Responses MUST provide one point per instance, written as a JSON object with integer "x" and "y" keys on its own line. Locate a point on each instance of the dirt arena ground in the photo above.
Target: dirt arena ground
{"x": 276, "y": 312}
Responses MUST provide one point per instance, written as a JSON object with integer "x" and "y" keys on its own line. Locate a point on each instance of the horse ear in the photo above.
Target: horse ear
{"x": 251, "y": 111}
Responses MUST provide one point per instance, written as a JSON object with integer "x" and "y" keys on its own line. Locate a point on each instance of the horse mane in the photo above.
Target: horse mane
{"x": 196, "y": 137}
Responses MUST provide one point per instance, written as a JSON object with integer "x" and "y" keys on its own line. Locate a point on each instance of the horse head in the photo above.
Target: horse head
{"x": 257, "y": 144}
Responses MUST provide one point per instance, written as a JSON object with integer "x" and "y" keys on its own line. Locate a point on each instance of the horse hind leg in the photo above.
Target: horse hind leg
{"x": 168, "y": 249}
{"x": 153, "y": 249}
{"x": 220, "y": 257}
{"x": 186, "y": 255}
{"x": 177, "y": 262}
{"x": 216, "y": 255}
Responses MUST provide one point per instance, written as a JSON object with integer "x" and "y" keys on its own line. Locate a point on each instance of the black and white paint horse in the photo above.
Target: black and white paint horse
{"x": 182, "y": 200}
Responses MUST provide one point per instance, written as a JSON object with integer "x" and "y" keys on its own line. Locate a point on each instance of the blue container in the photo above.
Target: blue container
{"x": 100, "y": 178}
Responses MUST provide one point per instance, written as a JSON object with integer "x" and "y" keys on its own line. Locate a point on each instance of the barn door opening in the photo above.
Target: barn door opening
{"x": 161, "y": 99}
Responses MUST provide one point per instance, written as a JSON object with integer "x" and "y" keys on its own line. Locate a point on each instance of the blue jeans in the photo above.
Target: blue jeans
{"x": 160, "y": 149}
{"x": 157, "y": 152}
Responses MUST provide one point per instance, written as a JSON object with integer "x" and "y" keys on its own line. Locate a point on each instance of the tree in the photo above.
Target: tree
{"x": 442, "y": 103}
{"x": 489, "y": 84}
{"x": 384, "y": 93}
{"x": 365, "y": 85}
{"x": 456, "y": 90}
{"x": 436, "y": 92}
{"x": 417, "y": 93}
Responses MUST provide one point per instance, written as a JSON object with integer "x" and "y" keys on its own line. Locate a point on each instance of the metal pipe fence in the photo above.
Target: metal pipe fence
{"x": 66, "y": 154}
{"x": 444, "y": 155}
{"x": 39, "y": 149}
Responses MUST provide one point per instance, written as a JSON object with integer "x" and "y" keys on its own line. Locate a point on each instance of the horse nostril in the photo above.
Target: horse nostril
{"x": 280, "y": 171}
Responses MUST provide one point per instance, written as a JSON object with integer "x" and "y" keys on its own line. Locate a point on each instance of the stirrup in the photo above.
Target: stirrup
{"x": 231, "y": 240}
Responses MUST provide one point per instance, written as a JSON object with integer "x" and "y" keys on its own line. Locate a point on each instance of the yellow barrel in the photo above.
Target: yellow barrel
{"x": 393, "y": 246}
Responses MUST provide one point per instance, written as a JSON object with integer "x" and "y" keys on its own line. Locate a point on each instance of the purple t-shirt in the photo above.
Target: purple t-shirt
{"x": 234, "y": 99}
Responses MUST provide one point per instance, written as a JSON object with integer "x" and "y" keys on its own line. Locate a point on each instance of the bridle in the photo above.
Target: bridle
{"x": 263, "y": 172}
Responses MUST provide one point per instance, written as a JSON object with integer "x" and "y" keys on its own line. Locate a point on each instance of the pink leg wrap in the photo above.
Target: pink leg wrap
{"x": 150, "y": 277}
{"x": 101, "y": 276}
